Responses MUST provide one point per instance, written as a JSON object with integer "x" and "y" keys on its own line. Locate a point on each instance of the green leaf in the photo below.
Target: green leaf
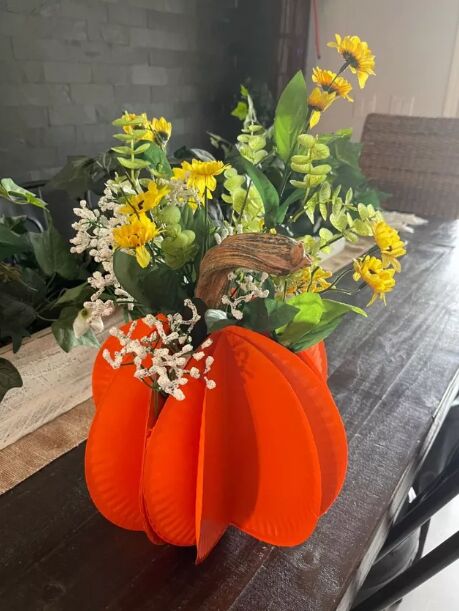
{"x": 63, "y": 331}
{"x": 157, "y": 160}
{"x": 83, "y": 174}
{"x": 339, "y": 221}
{"x": 16, "y": 194}
{"x": 310, "y": 309}
{"x": 53, "y": 254}
{"x": 133, "y": 164}
{"x": 264, "y": 187}
{"x": 29, "y": 287}
{"x": 290, "y": 117}
{"x": 332, "y": 316}
{"x": 121, "y": 150}
{"x": 9, "y": 377}
{"x": 16, "y": 317}
{"x": 294, "y": 196}
{"x": 240, "y": 111}
{"x": 15, "y": 223}
{"x": 279, "y": 313}
{"x": 158, "y": 288}
{"x": 266, "y": 315}
{"x": 334, "y": 308}
{"x": 142, "y": 148}
{"x": 126, "y": 120}
{"x": 317, "y": 334}
{"x": 76, "y": 295}
{"x": 11, "y": 243}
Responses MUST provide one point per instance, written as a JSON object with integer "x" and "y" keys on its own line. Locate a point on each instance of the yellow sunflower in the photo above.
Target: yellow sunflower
{"x": 162, "y": 130}
{"x": 147, "y": 200}
{"x": 135, "y": 235}
{"x": 331, "y": 83}
{"x": 200, "y": 175}
{"x": 357, "y": 55}
{"x": 318, "y": 101}
{"x": 379, "y": 278}
{"x": 389, "y": 243}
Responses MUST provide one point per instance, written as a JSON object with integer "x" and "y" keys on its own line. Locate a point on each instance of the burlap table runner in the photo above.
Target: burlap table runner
{"x": 34, "y": 451}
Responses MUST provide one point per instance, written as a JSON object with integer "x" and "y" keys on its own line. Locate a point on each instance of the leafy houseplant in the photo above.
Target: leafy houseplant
{"x": 42, "y": 284}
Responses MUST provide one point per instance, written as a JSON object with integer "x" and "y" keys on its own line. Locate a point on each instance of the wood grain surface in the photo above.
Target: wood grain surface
{"x": 391, "y": 376}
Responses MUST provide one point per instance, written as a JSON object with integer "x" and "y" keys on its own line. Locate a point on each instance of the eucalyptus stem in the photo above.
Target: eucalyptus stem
{"x": 287, "y": 169}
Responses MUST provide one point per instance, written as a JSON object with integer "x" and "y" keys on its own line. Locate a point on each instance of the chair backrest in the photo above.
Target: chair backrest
{"x": 416, "y": 160}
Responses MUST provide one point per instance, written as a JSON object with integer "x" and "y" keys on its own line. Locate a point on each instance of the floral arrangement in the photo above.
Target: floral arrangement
{"x": 157, "y": 220}
{"x": 212, "y": 404}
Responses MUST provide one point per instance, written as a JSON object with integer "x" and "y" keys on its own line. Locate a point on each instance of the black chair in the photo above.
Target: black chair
{"x": 400, "y": 566}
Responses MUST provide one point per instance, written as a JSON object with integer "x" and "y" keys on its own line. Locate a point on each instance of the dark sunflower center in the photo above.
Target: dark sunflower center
{"x": 351, "y": 59}
{"x": 161, "y": 137}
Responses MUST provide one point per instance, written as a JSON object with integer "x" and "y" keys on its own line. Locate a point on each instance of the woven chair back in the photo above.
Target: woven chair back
{"x": 416, "y": 160}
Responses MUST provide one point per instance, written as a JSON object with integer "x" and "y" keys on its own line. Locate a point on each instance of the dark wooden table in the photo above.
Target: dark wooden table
{"x": 392, "y": 377}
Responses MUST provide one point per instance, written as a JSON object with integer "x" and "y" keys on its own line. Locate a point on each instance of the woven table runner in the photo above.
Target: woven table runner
{"x": 34, "y": 451}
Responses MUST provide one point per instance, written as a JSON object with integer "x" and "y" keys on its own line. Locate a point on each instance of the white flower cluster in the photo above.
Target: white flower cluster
{"x": 247, "y": 289}
{"x": 180, "y": 193}
{"x": 164, "y": 355}
{"x": 223, "y": 232}
{"x": 94, "y": 232}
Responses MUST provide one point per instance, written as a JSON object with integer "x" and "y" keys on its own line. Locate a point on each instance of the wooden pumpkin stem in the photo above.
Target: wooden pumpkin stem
{"x": 278, "y": 255}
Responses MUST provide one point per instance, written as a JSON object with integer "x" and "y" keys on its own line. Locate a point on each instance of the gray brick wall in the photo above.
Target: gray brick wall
{"x": 69, "y": 67}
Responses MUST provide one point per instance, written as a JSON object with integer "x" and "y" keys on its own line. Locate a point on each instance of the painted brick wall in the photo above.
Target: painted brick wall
{"x": 69, "y": 67}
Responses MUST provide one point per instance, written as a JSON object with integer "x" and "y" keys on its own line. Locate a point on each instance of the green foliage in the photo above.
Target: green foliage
{"x": 156, "y": 289}
{"x": 309, "y": 312}
{"x": 53, "y": 255}
{"x": 266, "y": 315}
{"x": 76, "y": 295}
{"x": 240, "y": 111}
{"x": 36, "y": 270}
{"x": 11, "y": 243}
{"x": 9, "y": 377}
{"x": 62, "y": 330}
{"x": 82, "y": 174}
{"x": 345, "y": 163}
{"x": 17, "y": 195}
{"x": 290, "y": 117}
{"x": 155, "y": 158}
{"x": 261, "y": 315}
{"x": 263, "y": 185}
{"x": 316, "y": 319}
{"x": 16, "y": 318}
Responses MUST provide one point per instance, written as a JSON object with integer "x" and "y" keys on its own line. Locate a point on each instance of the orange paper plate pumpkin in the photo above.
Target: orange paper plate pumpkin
{"x": 264, "y": 451}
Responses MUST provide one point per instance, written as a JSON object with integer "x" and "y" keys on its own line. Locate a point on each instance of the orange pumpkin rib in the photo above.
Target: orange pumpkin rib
{"x": 316, "y": 355}
{"x": 258, "y": 465}
{"x": 321, "y": 412}
{"x": 171, "y": 458}
{"x": 116, "y": 442}
{"x": 103, "y": 373}
{"x": 114, "y": 451}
